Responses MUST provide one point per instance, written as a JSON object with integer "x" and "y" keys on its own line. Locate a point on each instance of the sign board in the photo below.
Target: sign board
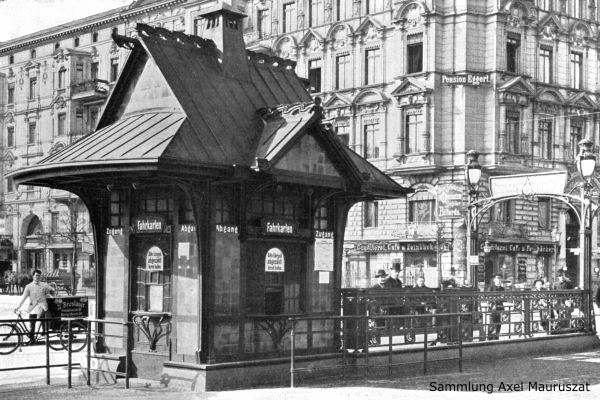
{"x": 323, "y": 251}
{"x": 155, "y": 259}
{"x": 518, "y": 247}
{"x": 274, "y": 261}
{"x": 409, "y": 247}
{"x": 279, "y": 227}
{"x": 449, "y": 201}
{"x": 69, "y": 307}
{"x": 474, "y": 79}
{"x": 528, "y": 184}
{"x": 149, "y": 224}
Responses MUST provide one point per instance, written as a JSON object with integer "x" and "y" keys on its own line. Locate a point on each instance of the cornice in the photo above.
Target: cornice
{"x": 81, "y": 25}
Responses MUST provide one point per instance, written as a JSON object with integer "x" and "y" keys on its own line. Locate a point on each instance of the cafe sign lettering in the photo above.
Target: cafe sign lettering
{"x": 149, "y": 224}
{"x": 518, "y": 247}
{"x": 376, "y": 247}
{"x": 274, "y": 261}
{"x": 155, "y": 259}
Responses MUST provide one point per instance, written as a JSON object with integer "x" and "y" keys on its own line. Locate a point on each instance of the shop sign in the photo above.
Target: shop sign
{"x": 274, "y": 261}
{"x": 149, "y": 224}
{"x": 519, "y": 247}
{"x": 377, "y": 247}
{"x": 71, "y": 307}
{"x": 155, "y": 259}
{"x": 279, "y": 227}
{"x": 449, "y": 201}
{"x": 549, "y": 183}
{"x": 323, "y": 234}
{"x": 475, "y": 79}
{"x": 226, "y": 228}
{"x": 323, "y": 249}
{"x": 118, "y": 231}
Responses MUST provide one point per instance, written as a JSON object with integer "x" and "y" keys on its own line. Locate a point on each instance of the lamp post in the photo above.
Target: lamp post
{"x": 586, "y": 164}
{"x": 556, "y": 235}
{"x": 472, "y": 176}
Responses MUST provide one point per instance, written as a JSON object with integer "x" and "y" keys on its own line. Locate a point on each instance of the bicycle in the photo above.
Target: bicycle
{"x": 12, "y": 333}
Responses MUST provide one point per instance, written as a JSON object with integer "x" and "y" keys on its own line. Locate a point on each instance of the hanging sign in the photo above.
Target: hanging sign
{"x": 274, "y": 261}
{"x": 155, "y": 259}
{"x": 548, "y": 183}
{"x": 450, "y": 201}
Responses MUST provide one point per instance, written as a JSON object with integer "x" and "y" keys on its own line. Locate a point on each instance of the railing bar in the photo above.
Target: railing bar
{"x": 47, "y": 344}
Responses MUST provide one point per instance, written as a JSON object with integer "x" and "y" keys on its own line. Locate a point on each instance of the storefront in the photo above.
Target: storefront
{"x": 212, "y": 212}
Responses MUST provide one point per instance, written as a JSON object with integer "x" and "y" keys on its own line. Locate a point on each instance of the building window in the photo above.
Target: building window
{"x": 321, "y": 218}
{"x": 545, "y": 65}
{"x": 314, "y": 75}
{"x": 421, "y": 211}
{"x": 54, "y": 223}
{"x": 10, "y": 186}
{"x": 315, "y": 13}
{"x": 32, "y": 54}
{"x": 224, "y": 214}
{"x": 545, "y": 4}
{"x": 372, "y": 66}
{"x": 289, "y": 17}
{"x": 343, "y": 10}
{"x": 544, "y": 213}
{"x": 513, "y": 137}
{"x": 114, "y": 69}
{"x": 76, "y": 42}
{"x": 11, "y": 93}
{"x": 11, "y": 59}
{"x": 513, "y": 47}
{"x": 370, "y": 214}
{"x": 10, "y": 136}
{"x": 343, "y": 134}
{"x": 115, "y": 31}
{"x": 118, "y": 204}
{"x": 371, "y": 140}
{"x": 156, "y": 201}
{"x": 413, "y": 131}
{"x": 578, "y": 8}
{"x": 186, "y": 211}
{"x": 576, "y": 70}
{"x": 503, "y": 212}
{"x": 94, "y": 70}
{"x": 93, "y": 118}
{"x": 545, "y": 131}
{"x": 62, "y": 124}
{"x": 62, "y": 73}
{"x": 373, "y": 6}
{"x": 94, "y": 37}
{"x": 263, "y": 23}
{"x": 414, "y": 53}
{"x": 79, "y": 121}
{"x": 576, "y": 135}
{"x": 32, "y": 88}
{"x": 31, "y": 133}
{"x": 79, "y": 69}
{"x": 343, "y": 72}
{"x": 56, "y": 45}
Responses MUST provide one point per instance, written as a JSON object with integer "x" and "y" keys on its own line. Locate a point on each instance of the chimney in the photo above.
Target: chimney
{"x": 222, "y": 24}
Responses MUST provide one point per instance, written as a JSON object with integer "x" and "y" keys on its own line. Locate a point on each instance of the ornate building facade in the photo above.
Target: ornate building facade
{"x": 414, "y": 85}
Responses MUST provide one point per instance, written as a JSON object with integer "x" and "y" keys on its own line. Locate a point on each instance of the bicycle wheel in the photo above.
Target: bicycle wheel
{"x": 10, "y": 338}
{"x": 78, "y": 335}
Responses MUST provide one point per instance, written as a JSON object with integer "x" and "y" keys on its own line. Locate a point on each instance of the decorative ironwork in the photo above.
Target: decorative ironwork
{"x": 153, "y": 325}
{"x": 276, "y": 328}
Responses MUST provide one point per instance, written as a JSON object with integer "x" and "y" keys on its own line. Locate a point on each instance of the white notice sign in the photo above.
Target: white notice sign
{"x": 323, "y": 254}
{"x": 274, "y": 261}
{"x": 155, "y": 259}
{"x": 323, "y": 277}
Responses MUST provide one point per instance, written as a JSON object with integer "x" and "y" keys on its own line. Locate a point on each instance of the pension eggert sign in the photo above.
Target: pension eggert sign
{"x": 466, "y": 79}
{"x": 274, "y": 260}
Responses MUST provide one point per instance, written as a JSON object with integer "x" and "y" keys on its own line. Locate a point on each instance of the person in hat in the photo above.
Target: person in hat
{"x": 394, "y": 278}
{"x": 563, "y": 283}
{"x": 496, "y": 308}
{"x": 381, "y": 277}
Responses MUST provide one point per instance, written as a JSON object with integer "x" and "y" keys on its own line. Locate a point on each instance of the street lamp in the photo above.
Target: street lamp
{"x": 586, "y": 165}
{"x": 556, "y": 235}
{"x": 472, "y": 176}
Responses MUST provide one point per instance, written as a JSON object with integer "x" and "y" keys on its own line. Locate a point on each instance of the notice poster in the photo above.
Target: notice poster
{"x": 323, "y": 254}
{"x": 323, "y": 277}
{"x": 155, "y": 259}
{"x": 274, "y": 261}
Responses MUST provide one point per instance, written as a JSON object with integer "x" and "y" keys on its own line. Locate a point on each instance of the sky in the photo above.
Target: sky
{"x": 21, "y": 17}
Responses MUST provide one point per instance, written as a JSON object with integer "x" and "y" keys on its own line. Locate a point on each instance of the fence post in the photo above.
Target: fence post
{"x": 69, "y": 359}
{"x": 424, "y": 348}
{"x": 292, "y": 348}
{"x": 89, "y": 352}
{"x": 390, "y": 348}
{"x": 460, "y": 344}
{"x": 366, "y": 325}
{"x": 47, "y": 336}
{"x": 128, "y": 345}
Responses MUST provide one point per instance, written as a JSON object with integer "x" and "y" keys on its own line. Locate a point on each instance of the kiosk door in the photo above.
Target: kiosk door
{"x": 151, "y": 273}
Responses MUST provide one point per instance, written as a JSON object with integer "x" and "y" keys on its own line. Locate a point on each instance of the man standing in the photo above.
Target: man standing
{"x": 496, "y": 308}
{"x": 394, "y": 279}
{"x": 382, "y": 282}
{"x": 38, "y": 293}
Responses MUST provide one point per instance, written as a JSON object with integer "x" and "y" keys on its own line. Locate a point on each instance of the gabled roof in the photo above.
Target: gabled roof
{"x": 582, "y": 99}
{"x": 518, "y": 85}
{"x": 174, "y": 106}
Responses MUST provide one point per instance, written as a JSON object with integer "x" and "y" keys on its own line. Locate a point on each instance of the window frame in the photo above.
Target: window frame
{"x": 10, "y": 136}
{"x": 576, "y": 70}
{"x": 513, "y": 131}
{"x": 315, "y": 75}
{"x": 372, "y": 66}
{"x": 370, "y": 214}
{"x": 545, "y": 132}
{"x": 33, "y": 87}
{"x": 545, "y": 68}
{"x": 371, "y": 131}
{"x": 31, "y": 132}
{"x": 513, "y": 50}
{"x": 414, "y": 53}
{"x": 343, "y": 71}
{"x": 413, "y": 214}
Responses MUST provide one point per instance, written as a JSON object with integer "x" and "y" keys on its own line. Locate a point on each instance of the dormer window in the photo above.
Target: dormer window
{"x": 32, "y": 54}
{"x": 94, "y": 37}
{"x": 56, "y": 45}
{"x": 76, "y": 42}
{"x": 11, "y": 59}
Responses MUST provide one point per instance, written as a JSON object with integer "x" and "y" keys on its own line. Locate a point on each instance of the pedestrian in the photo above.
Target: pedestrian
{"x": 496, "y": 308}
{"x": 539, "y": 305}
{"x": 394, "y": 280}
{"x": 382, "y": 281}
{"x": 421, "y": 282}
{"x": 38, "y": 293}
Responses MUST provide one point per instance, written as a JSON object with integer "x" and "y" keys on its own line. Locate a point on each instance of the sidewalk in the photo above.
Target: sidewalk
{"x": 515, "y": 378}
